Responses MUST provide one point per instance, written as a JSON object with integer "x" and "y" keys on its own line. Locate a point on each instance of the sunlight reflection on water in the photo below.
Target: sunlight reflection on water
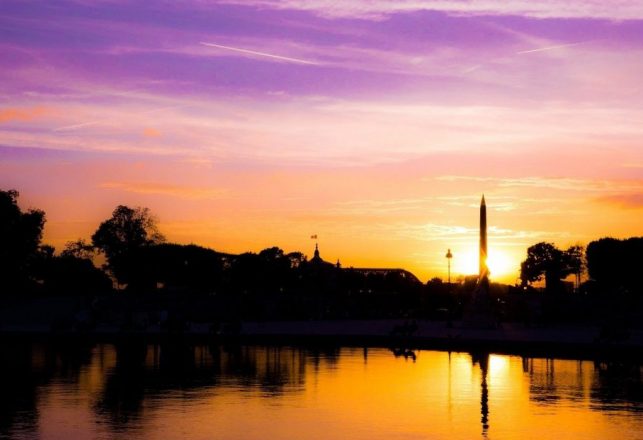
{"x": 198, "y": 392}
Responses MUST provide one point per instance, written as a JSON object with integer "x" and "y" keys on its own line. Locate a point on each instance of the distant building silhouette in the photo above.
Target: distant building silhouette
{"x": 405, "y": 274}
{"x": 366, "y": 271}
{"x": 316, "y": 258}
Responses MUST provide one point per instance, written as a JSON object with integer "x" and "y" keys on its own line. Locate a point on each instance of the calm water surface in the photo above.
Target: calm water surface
{"x": 211, "y": 392}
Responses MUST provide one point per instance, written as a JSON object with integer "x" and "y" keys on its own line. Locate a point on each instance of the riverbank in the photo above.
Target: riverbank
{"x": 559, "y": 341}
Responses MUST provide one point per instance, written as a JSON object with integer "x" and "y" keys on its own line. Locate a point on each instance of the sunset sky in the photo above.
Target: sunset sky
{"x": 376, "y": 125}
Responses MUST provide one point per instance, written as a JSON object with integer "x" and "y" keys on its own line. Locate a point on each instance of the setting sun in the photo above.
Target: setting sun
{"x": 501, "y": 263}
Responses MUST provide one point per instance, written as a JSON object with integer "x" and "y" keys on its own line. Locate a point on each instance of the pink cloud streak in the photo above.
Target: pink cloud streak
{"x": 16, "y": 114}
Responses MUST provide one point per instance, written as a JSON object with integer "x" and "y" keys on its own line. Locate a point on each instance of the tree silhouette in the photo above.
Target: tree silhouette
{"x": 575, "y": 257}
{"x": 20, "y": 235}
{"x": 191, "y": 267}
{"x": 78, "y": 249}
{"x": 296, "y": 259}
{"x": 121, "y": 236}
{"x": 68, "y": 274}
{"x": 616, "y": 264}
{"x": 546, "y": 260}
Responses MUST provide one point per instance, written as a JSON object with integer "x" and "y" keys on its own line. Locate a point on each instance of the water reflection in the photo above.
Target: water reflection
{"x": 150, "y": 372}
{"x": 617, "y": 384}
{"x": 404, "y": 353}
{"x": 197, "y": 391}
{"x": 608, "y": 385}
{"x": 18, "y": 400}
{"x": 482, "y": 359}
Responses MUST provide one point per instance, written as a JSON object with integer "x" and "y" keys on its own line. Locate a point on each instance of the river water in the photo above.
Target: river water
{"x": 143, "y": 391}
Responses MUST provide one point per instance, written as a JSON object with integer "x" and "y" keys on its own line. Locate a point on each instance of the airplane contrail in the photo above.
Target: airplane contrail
{"x": 261, "y": 54}
{"x": 101, "y": 121}
{"x": 540, "y": 49}
{"x": 75, "y": 126}
{"x": 472, "y": 68}
{"x": 543, "y": 49}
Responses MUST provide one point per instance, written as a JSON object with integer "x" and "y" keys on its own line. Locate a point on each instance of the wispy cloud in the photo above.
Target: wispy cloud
{"x": 260, "y": 54}
{"x": 188, "y": 192}
{"x": 108, "y": 120}
{"x": 383, "y": 206}
{"x": 80, "y": 125}
{"x": 548, "y": 48}
{"x": 380, "y": 9}
{"x": 460, "y": 233}
{"x": 322, "y": 130}
{"x": 23, "y": 114}
{"x": 625, "y": 201}
{"x": 557, "y": 183}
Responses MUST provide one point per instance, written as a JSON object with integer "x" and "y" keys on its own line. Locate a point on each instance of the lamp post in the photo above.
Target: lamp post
{"x": 449, "y": 255}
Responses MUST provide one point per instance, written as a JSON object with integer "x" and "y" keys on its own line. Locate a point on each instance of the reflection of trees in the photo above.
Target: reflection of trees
{"x": 24, "y": 372}
{"x": 317, "y": 355}
{"x": 542, "y": 382}
{"x": 617, "y": 384}
{"x": 122, "y": 396}
{"x": 270, "y": 369}
{"x": 143, "y": 374}
{"x": 19, "y": 397}
{"x": 608, "y": 385}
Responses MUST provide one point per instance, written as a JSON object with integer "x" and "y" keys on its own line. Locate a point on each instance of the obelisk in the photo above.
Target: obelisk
{"x": 484, "y": 271}
{"x": 479, "y": 312}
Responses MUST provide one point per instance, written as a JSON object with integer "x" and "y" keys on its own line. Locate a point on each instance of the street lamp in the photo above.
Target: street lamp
{"x": 449, "y": 255}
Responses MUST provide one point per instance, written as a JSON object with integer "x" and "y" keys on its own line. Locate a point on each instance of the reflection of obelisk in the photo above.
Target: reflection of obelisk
{"x": 478, "y": 313}
{"x": 483, "y": 360}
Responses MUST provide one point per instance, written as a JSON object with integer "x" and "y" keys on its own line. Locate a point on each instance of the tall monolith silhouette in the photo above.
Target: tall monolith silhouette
{"x": 479, "y": 313}
{"x": 484, "y": 271}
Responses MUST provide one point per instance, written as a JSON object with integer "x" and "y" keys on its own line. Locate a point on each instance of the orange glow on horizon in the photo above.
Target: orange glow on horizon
{"x": 503, "y": 264}
{"x": 366, "y": 223}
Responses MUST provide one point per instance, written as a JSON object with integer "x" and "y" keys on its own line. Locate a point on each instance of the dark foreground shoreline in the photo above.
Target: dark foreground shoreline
{"x": 402, "y": 336}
